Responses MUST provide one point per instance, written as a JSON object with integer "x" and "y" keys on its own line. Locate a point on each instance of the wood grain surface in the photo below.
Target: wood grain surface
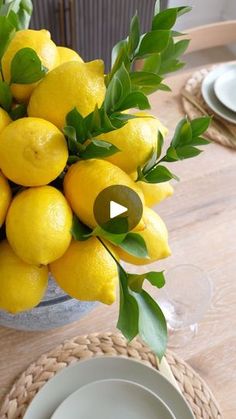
{"x": 201, "y": 218}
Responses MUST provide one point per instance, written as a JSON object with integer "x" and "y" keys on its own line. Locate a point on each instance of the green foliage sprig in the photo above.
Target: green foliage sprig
{"x": 128, "y": 87}
{"x": 183, "y": 146}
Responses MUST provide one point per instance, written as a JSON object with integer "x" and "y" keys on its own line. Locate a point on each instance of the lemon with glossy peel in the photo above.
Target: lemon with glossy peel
{"x": 136, "y": 141}
{"x": 87, "y": 272}
{"x": 22, "y": 286}
{"x": 4, "y": 119}
{"x": 38, "y": 225}
{"x": 155, "y": 236}
{"x": 40, "y": 41}
{"x": 154, "y": 193}
{"x": 86, "y": 179}
{"x": 5, "y": 198}
{"x": 71, "y": 85}
{"x": 68, "y": 54}
{"x": 39, "y": 153}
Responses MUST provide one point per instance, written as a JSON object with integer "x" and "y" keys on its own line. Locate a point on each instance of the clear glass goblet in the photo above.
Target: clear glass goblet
{"x": 184, "y": 301}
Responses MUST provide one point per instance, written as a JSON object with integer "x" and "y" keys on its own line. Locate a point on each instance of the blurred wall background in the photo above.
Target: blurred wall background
{"x": 92, "y": 27}
{"x": 205, "y": 11}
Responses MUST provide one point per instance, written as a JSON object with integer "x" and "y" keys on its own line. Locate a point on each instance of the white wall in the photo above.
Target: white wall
{"x": 205, "y": 11}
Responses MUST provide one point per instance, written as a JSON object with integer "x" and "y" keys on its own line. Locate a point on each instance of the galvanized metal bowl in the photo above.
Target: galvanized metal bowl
{"x": 56, "y": 309}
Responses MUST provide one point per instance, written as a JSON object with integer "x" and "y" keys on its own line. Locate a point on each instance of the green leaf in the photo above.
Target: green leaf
{"x": 117, "y": 226}
{"x": 134, "y": 34}
{"x": 157, "y": 279}
{"x": 164, "y": 87}
{"x": 153, "y": 42}
{"x": 135, "y": 245}
{"x": 152, "y": 324}
{"x": 187, "y": 152}
{"x": 160, "y": 142}
{"x": 26, "y": 67}
{"x": 146, "y": 82}
{"x": 79, "y": 231}
{"x": 200, "y": 125}
{"x": 20, "y": 111}
{"x": 98, "y": 149}
{"x": 165, "y": 19}
{"x": 180, "y": 47}
{"x": 170, "y": 67}
{"x": 183, "y": 133}
{"x": 5, "y": 96}
{"x": 119, "y": 56}
{"x": 152, "y": 63}
{"x": 128, "y": 313}
{"x": 124, "y": 117}
{"x": 7, "y": 31}
{"x": 18, "y": 12}
{"x": 135, "y": 100}
{"x": 184, "y": 9}
{"x": 73, "y": 144}
{"x": 150, "y": 163}
{"x": 115, "y": 239}
{"x": 24, "y": 13}
{"x": 157, "y": 7}
{"x": 171, "y": 154}
{"x": 75, "y": 120}
{"x": 159, "y": 174}
{"x": 199, "y": 141}
{"x": 117, "y": 90}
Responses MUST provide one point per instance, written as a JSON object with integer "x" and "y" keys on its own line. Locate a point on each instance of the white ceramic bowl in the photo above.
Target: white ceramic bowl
{"x": 106, "y": 399}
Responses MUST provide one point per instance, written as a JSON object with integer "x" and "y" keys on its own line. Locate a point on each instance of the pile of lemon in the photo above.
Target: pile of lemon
{"x": 35, "y": 216}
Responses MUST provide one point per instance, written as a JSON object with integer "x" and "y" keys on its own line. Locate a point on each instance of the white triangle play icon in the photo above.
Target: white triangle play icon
{"x": 116, "y": 209}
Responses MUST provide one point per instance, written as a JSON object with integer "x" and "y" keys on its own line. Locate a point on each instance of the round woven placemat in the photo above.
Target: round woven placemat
{"x": 221, "y": 131}
{"x": 37, "y": 374}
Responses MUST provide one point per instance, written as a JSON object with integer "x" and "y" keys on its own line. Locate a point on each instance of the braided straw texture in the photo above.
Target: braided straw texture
{"x": 37, "y": 374}
{"x": 220, "y": 131}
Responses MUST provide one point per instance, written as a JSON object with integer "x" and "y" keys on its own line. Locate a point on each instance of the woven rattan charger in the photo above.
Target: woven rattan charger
{"x": 37, "y": 374}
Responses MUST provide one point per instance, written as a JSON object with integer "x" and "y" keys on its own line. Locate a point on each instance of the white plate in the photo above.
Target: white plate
{"x": 77, "y": 375}
{"x": 209, "y": 95}
{"x": 225, "y": 89}
{"x": 114, "y": 399}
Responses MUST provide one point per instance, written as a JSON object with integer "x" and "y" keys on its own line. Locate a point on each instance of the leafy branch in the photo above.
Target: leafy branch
{"x": 132, "y": 243}
{"x": 139, "y": 313}
{"x": 128, "y": 87}
{"x": 187, "y": 136}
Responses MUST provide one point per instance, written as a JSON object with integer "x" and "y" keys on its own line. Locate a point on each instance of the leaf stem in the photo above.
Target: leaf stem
{"x": 113, "y": 257}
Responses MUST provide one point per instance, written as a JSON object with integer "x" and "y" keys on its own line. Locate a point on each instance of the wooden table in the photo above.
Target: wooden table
{"x": 201, "y": 218}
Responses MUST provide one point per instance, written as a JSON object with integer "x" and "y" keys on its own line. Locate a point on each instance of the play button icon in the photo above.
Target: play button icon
{"x": 118, "y": 209}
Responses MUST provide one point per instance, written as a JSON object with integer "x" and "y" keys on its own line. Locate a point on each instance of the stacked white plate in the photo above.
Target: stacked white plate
{"x": 109, "y": 388}
{"x": 219, "y": 91}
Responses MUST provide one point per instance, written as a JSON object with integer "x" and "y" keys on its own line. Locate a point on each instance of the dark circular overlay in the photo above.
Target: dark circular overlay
{"x": 124, "y": 222}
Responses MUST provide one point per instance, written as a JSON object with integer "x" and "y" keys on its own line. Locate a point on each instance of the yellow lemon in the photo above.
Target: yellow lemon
{"x": 156, "y": 238}
{"x": 87, "y": 272}
{"x": 72, "y": 84}
{"x": 86, "y": 179}
{"x": 4, "y": 119}
{"x": 39, "y": 153}
{"x": 136, "y": 141}
{"x": 22, "y": 286}
{"x": 38, "y": 225}
{"x": 5, "y": 198}
{"x": 154, "y": 193}
{"x": 67, "y": 54}
{"x": 41, "y": 43}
